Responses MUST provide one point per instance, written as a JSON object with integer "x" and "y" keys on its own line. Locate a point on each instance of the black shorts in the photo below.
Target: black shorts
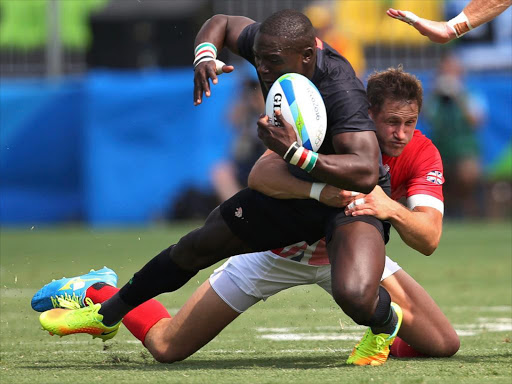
{"x": 266, "y": 223}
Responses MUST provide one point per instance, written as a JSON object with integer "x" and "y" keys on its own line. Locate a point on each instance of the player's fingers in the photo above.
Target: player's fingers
{"x": 262, "y": 124}
{"x": 405, "y": 16}
{"x": 280, "y": 118}
{"x": 210, "y": 72}
{"x": 228, "y": 68}
{"x": 198, "y": 91}
{"x": 392, "y": 13}
{"x": 355, "y": 203}
{"x": 262, "y": 129}
{"x": 361, "y": 211}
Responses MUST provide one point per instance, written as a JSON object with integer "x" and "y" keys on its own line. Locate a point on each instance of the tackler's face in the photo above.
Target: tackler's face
{"x": 274, "y": 56}
{"x": 395, "y": 123}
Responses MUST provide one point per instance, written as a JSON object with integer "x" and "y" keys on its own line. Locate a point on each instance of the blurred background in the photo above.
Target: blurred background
{"x": 97, "y": 123}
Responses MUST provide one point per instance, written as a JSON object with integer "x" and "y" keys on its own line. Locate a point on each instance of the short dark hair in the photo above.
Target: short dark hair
{"x": 393, "y": 84}
{"x": 291, "y": 24}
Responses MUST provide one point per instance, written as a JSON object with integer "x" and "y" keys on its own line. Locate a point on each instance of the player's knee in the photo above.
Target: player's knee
{"x": 184, "y": 253}
{"x": 356, "y": 300}
{"x": 190, "y": 255}
{"x": 168, "y": 355}
{"x": 450, "y": 346}
{"x": 203, "y": 247}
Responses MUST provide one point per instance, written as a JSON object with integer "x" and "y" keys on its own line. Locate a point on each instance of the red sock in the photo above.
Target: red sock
{"x": 140, "y": 319}
{"x": 400, "y": 348}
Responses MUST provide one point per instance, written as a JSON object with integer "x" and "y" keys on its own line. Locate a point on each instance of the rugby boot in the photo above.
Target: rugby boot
{"x": 63, "y": 322}
{"x": 70, "y": 289}
{"x": 374, "y": 349}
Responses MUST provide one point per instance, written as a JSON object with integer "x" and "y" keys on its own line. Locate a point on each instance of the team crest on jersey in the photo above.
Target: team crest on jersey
{"x": 435, "y": 177}
{"x": 239, "y": 213}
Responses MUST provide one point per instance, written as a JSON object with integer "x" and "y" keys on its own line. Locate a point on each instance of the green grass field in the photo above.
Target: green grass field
{"x": 469, "y": 276}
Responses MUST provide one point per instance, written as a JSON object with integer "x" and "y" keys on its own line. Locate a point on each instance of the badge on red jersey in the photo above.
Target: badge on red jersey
{"x": 435, "y": 177}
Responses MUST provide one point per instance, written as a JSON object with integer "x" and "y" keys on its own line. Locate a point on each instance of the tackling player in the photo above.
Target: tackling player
{"x": 242, "y": 281}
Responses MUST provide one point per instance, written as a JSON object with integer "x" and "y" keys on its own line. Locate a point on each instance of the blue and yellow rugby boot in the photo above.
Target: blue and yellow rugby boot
{"x": 71, "y": 289}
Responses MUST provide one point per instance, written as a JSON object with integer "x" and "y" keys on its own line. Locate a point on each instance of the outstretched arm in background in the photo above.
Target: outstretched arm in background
{"x": 476, "y": 13}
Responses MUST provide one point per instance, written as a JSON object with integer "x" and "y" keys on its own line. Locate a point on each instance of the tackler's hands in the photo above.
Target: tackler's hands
{"x": 436, "y": 31}
{"x": 277, "y": 138}
{"x": 347, "y": 197}
{"x": 203, "y": 73}
{"x": 376, "y": 203}
{"x": 334, "y": 197}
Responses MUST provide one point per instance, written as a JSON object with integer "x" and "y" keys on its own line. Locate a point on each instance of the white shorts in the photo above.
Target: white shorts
{"x": 244, "y": 280}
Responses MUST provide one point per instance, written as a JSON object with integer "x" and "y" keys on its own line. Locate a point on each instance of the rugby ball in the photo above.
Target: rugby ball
{"x": 301, "y": 105}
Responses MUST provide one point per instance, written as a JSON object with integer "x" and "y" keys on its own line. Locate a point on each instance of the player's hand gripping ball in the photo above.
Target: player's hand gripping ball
{"x": 301, "y": 105}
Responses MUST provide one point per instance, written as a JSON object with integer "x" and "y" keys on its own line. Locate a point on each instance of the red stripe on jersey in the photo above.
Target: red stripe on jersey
{"x": 293, "y": 251}
{"x": 319, "y": 256}
{"x": 303, "y": 157}
{"x": 319, "y": 43}
{"x": 277, "y": 251}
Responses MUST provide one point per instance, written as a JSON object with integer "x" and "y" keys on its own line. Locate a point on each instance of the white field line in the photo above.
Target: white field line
{"x": 485, "y": 324}
{"x": 308, "y": 336}
{"x": 17, "y": 292}
{"x": 318, "y": 328}
{"x": 496, "y": 308}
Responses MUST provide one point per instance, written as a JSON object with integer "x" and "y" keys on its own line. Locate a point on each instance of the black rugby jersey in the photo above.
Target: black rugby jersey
{"x": 343, "y": 93}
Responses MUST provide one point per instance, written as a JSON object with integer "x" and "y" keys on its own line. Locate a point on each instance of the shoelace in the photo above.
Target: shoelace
{"x": 66, "y": 298}
{"x": 73, "y": 304}
{"x": 367, "y": 348}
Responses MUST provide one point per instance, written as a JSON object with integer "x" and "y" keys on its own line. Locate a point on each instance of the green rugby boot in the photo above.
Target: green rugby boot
{"x": 63, "y": 322}
{"x": 374, "y": 349}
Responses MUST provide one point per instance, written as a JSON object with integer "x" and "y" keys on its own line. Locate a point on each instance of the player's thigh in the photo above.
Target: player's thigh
{"x": 200, "y": 319}
{"x": 259, "y": 275}
{"x": 357, "y": 256}
{"x": 263, "y": 222}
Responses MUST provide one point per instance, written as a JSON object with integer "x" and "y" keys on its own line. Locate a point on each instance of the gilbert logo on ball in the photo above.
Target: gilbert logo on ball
{"x": 301, "y": 105}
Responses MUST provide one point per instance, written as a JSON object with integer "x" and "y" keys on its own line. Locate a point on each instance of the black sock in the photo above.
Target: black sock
{"x": 384, "y": 319}
{"x": 160, "y": 275}
{"x": 389, "y": 326}
{"x": 113, "y": 310}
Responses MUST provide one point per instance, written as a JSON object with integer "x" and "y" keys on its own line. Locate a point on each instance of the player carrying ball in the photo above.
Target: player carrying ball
{"x": 242, "y": 281}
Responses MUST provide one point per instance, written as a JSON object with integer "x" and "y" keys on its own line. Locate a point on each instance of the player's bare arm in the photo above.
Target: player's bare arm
{"x": 355, "y": 169}
{"x": 220, "y": 31}
{"x": 420, "y": 228}
{"x": 483, "y": 11}
{"x": 271, "y": 177}
{"x": 476, "y": 13}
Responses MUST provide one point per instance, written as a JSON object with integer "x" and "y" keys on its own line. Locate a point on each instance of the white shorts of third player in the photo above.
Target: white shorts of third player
{"x": 244, "y": 280}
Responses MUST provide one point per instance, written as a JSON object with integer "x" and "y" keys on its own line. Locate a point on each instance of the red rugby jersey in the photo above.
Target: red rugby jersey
{"x": 417, "y": 174}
